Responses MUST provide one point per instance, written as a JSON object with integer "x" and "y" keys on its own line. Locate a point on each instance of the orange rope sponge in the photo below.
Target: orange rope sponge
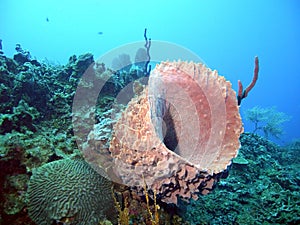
{"x": 179, "y": 134}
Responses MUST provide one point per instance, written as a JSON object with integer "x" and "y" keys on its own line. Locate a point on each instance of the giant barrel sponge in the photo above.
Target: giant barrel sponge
{"x": 179, "y": 134}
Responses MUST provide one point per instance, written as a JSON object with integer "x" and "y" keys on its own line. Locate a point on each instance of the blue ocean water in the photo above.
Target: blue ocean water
{"x": 225, "y": 34}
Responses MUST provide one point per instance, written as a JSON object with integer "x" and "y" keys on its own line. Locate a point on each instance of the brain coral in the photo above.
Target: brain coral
{"x": 179, "y": 134}
{"x": 70, "y": 192}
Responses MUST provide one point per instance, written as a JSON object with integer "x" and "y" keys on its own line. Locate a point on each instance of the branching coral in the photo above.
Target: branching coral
{"x": 123, "y": 217}
{"x": 153, "y": 218}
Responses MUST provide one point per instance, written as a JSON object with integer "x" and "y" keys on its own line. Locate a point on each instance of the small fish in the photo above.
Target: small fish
{"x": 100, "y": 32}
{"x": 47, "y": 19}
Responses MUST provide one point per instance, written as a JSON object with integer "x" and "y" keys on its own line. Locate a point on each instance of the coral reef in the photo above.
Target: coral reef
{"x": 22, "y": 55}
{"x": 35, "y": 125}
{"x": 263, "y": 191}
{"x": 36, "y": 100}
{"x": 36, "y": 129}
{"x": 21, "y": 118}
{"x": 69, "y": 190}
